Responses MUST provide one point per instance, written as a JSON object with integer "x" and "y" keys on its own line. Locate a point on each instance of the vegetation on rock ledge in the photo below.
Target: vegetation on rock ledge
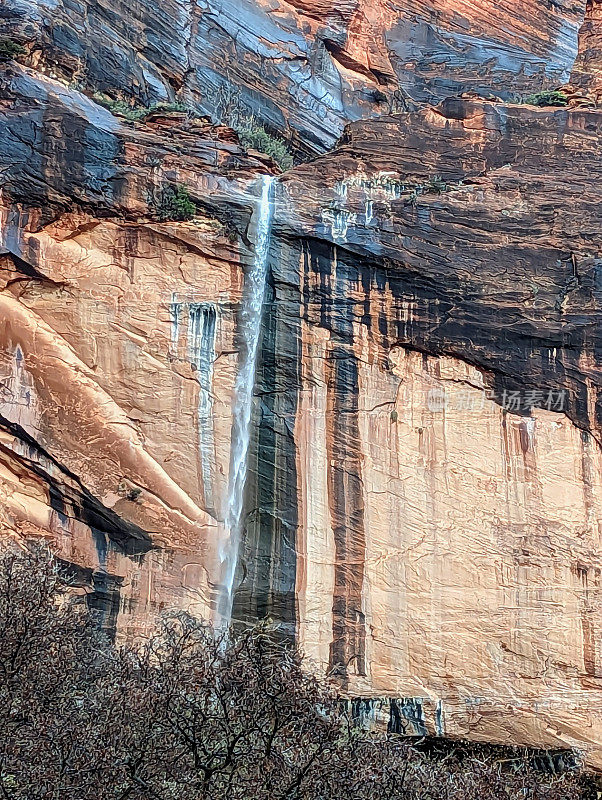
{"x": 175, "y": 205}
{"x": 10, "y": 49}
{"x": 545, "y": 98}
{"x": 135, "y": 113}
{"x": 231, "y": 110}
{"x": 254, "y": 136}
{"x": 191, "y": 714}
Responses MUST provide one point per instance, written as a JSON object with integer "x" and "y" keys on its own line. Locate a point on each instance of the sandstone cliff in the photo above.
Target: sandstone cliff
{"x": 424, "y": 498}
{"x": 305, "y": 67}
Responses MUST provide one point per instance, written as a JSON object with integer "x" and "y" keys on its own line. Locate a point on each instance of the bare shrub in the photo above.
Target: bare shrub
{"x": 190, "y": 714}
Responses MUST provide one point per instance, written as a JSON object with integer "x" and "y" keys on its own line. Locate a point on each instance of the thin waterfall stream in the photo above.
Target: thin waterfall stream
{"x": 250, "y": 327}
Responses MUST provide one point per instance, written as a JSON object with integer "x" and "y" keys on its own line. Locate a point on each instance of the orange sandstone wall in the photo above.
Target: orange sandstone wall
{"x": 434, "y": 549}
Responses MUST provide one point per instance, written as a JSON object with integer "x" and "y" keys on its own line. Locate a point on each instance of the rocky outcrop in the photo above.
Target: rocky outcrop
{"x": 303, "y": 68}
{"x": 588, "y": 66}
{"x": 424, "y": 497}
{"x": 118, "y": 344}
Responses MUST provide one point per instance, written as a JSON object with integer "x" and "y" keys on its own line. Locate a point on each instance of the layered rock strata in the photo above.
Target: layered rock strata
{"x": 429, "y": 394}
{"x": 304, "y": 68}
{"x": 423, "y": 504}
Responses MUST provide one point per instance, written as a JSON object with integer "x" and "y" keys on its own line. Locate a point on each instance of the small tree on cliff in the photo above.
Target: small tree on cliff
{"x": 189, "y": 715}
{"x": 175, "y": 204}
{"x": 10, "y": 49}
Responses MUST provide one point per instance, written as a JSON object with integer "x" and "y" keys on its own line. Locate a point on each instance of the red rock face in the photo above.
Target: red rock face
{"x": 354, "y": 35}
{"x": 304, "y": 68}
{"x": 447, "y": 296}
{"x": 425, "y": 489}
{"x": 587, "y": 68}
{"x": 110, "y": 330}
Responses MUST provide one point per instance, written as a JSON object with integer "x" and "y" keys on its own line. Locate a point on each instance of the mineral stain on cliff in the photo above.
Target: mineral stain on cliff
{"x": 269, "y": 546}
{"x": 347, "y": 651}
{"x": 202, "y": 321}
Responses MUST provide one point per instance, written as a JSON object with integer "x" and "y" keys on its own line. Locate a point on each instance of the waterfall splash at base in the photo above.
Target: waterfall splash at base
{"x": 250, "y": 328}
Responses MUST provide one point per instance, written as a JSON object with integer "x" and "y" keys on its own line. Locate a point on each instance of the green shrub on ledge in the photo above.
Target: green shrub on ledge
{"x": 10, "y": 49}
{"x": 136, "y": 113}
{"x": 545, "y": 98}
{"x": 255, "y": 137}
{"x": 175, "y": 205}
{"x": 231, "y": 110}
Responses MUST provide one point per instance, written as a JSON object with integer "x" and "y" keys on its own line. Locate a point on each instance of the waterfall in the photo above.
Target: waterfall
{"x": 250, "y": 327}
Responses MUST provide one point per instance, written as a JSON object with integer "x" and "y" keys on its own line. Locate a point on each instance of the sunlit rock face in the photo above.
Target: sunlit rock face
{"x": 117, "y": 368}
{"x": 120, "y": 342}
{"x": 466, "y": 572}
{"x": 423, "y": 499}
{"x": 427, "y": 503}
{"x": 306, "y": 67}
{"x": 587, "y": 71}
{"x": 118, "y": 350}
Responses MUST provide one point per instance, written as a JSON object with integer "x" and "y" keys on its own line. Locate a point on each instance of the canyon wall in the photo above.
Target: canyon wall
{"x": 119, "y": 355}
{"x": 306, "y": 67}
{"x": 432, "y": 398}
{"x": 424, "y": 497}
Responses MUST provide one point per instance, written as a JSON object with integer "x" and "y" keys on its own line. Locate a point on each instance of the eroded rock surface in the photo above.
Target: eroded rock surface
{"x": 430, "y": 394}
{"x": 118, "y": 345}
{"x": 306, "y": 67}
{"x": 424, "y": 501}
